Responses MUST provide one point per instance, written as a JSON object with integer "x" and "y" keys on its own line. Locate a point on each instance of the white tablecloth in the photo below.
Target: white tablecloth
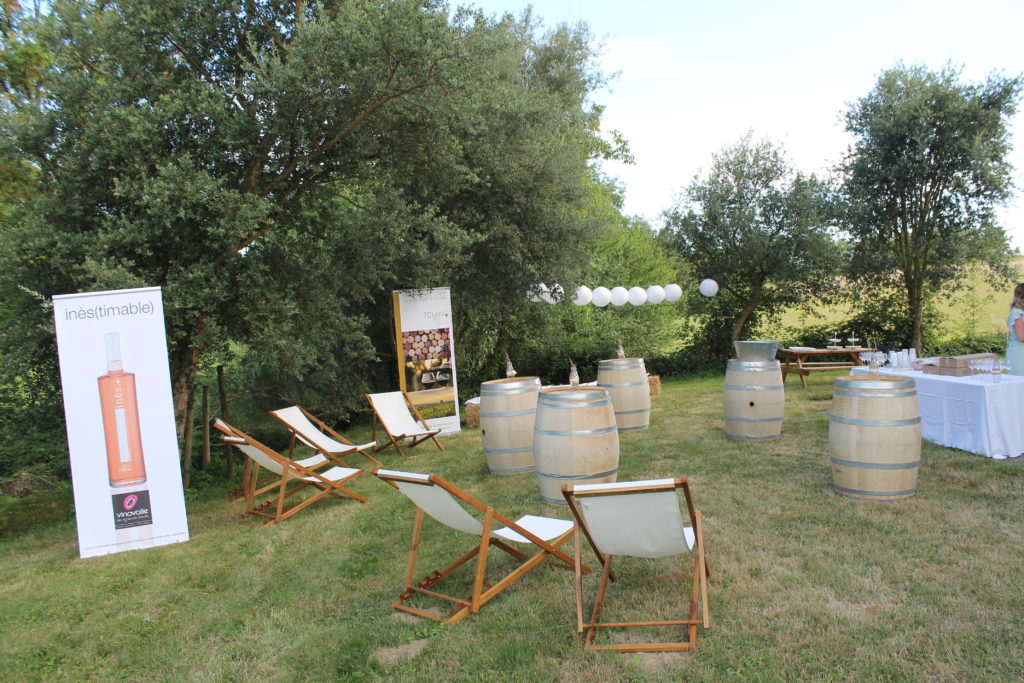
{"x": 969, "y": 413}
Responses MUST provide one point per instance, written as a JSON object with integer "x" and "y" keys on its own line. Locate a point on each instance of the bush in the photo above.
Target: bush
{"x": 980, "y": 343}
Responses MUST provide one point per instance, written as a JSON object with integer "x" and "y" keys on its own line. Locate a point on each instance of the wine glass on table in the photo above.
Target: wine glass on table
{"x": 987, "y": 365}
{"x": 996, "y": 370}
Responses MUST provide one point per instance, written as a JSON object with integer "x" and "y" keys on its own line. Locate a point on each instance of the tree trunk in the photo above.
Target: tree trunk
{"x": 915, "y": 304}
{"x": 746, "y": 312}
{"x": 916, "y": 313}
{"x": 204, "y": 464}
{"x": 229, "y": 454}
{"x": 186, "y": 451}
{"x": 184, "y": 363}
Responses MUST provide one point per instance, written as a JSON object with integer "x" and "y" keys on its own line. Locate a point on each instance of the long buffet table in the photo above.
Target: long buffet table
{"x": 969, "y": 413}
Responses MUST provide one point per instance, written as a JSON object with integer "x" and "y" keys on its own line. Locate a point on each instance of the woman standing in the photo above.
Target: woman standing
{"x": 1015, "y": 324}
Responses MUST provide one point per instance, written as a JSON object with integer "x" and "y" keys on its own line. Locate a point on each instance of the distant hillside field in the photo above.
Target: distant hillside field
{"x": 975, "y": 309}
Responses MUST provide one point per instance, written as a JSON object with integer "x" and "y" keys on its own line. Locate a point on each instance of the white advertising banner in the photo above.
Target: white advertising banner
{"x": 426, "y": 354}
{"x": 120, "y": 420}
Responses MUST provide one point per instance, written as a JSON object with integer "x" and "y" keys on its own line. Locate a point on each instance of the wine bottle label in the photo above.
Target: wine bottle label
{"x": 122, "y": 436}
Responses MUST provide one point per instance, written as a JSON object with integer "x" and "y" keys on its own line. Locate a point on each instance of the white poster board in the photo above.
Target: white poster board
{"x": 425, "y": 339}
{"x": 120, "y": 420}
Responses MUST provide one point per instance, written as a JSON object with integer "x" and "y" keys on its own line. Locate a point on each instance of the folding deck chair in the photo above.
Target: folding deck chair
{"x": 639, "y": 519}
{"x": 444, "y": 502}
{"x": 288, "y": 477}
{"x": 314, "y": 462}
{"x": 400, "y": 420}
{"x": 306, "y": 428}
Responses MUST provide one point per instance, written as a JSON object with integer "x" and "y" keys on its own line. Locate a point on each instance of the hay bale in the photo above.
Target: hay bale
{"x": 473, "y": 415}
{"x": 654, "y": 382}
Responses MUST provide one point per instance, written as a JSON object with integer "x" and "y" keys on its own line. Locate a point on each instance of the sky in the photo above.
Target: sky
{"x": 695, "y": 77}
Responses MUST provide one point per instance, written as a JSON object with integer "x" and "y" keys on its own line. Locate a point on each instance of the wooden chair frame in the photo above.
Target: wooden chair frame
{"x": 250, "y": 471}
{"x": 326, "y": 442}
{"x": 251, "y": 483}
{"x": 489, "y": 536}
{"x": 286, "y": 478}
{"x": 413, "y": 438}
{"x": 698, "y": 604}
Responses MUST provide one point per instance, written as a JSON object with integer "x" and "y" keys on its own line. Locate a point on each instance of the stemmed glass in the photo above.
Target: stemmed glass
{"x": 999, "y": 366}
{"x": 877, "y": 361}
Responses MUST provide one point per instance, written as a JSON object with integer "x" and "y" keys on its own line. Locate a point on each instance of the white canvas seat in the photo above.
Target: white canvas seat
{"x": 307, "y": 429}
{"x": 313, "y": 462}
{"x": 400, "y": 420}
{"x": 445, "y": 503}
{"x": 286, "y": 477}
{"x": 639, "y": 519}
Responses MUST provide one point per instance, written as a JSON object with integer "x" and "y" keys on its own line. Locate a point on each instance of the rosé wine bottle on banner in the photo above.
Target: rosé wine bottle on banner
{"x": 120, "y": 409}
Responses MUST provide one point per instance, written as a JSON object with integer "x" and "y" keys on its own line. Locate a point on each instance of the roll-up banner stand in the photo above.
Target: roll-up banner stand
{"x": 120, "y": 420}
{"x": 426, "y": 354}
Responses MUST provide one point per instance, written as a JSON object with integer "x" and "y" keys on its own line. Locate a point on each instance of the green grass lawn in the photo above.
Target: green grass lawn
{"x": 804, "y": 584}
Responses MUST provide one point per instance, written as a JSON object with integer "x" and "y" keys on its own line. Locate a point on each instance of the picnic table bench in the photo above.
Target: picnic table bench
{"x": 797, "y": 360}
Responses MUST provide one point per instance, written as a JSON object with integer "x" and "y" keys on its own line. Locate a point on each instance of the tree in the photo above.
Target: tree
{"x": 277, "y": 169}
{"x": 760, "y": 230}
{"x": 927, "y": 168}
{"x": 542, "y": 338}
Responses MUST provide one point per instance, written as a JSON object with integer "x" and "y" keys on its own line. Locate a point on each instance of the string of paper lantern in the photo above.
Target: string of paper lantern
{"x": 620, "y": 296}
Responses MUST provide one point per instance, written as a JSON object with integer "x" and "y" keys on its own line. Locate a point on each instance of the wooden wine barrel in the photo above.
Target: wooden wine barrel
{"x": 874, "y": 435}
{"x": 507, "y": 410}
{"x": 626, "y": 382}
{"x": 574, "y": 439}
{"x": 754, "y": 400}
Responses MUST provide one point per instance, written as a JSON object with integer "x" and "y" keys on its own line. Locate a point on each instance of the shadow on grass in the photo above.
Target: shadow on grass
{"x": 41, "y": 508}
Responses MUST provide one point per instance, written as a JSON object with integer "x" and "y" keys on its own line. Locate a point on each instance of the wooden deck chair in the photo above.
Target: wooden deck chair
{"x": 249, "y": 469}
{"x": 307, "y": 429}
{"x": 400, "y": 420}
{"x": 445, "y": 503}
{"x": 287, "y": 477}
{"x": 639, "y": 519}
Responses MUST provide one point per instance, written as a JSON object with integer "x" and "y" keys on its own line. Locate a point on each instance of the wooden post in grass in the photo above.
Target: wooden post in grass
{"x": 186, "y": 451}
{"x": 205, "y": 462}
{"x": 229, "y": 452}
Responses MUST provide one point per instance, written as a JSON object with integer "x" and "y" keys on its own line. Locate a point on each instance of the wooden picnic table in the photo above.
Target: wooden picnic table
{"x": 797, "y": 361}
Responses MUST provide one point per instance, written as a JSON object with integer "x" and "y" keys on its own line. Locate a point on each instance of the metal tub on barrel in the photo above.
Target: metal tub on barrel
{"x": 753, "y": 399}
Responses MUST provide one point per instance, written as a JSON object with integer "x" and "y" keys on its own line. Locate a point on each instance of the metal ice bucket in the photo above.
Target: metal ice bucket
{"x": 756, "y": 350}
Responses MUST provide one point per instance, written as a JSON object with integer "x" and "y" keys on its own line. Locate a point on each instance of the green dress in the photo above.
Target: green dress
{"x": 1014, "y": 348}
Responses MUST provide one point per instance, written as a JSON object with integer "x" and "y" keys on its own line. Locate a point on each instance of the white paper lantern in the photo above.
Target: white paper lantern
{"x": 655, "y": 294}
{"x": 673, "y": 292}
{"x": 708, "y": 287}
{"x": 601, "y": 297}
{"x": 620, "y": 295}
{"x": 583, "y": 296}
{"x": 637, "y": 296}
{"x": 553, "y": 294}
{"x": 537, "y": 295}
